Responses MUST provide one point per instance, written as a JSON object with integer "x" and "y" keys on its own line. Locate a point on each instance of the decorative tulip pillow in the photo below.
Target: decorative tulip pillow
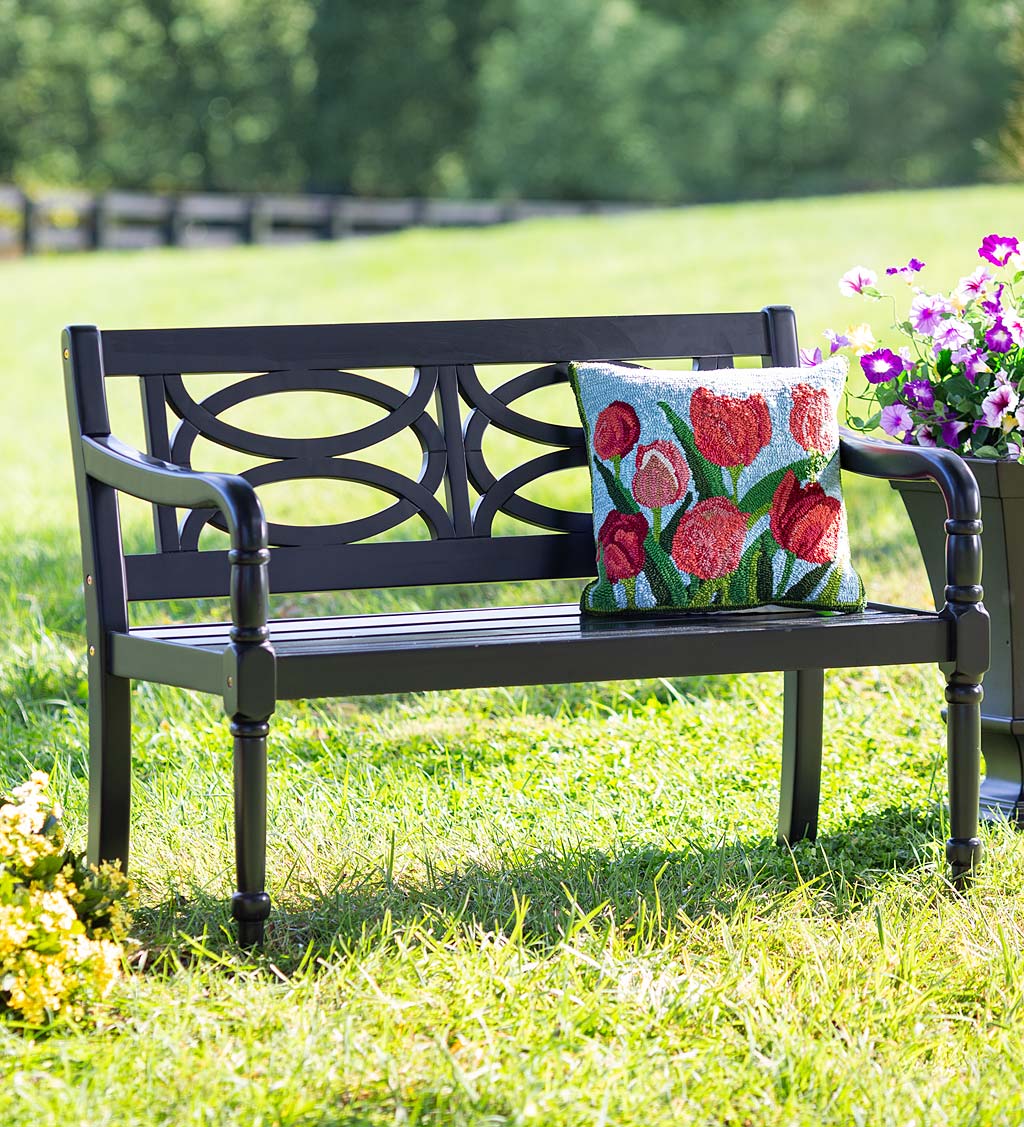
{"x": 716, "y": 491}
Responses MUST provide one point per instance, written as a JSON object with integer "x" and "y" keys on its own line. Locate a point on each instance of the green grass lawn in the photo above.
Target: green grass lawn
{"x": 551, "y": 905}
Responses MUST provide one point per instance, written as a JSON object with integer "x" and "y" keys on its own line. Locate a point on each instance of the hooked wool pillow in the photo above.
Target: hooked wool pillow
{"x": 716, "y": 490}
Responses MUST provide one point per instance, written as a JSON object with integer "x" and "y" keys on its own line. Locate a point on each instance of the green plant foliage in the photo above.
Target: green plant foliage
{"x": 586, "y": 99}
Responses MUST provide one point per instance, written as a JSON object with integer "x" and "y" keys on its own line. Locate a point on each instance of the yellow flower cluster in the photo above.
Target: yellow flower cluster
{"x": 62, "y": 922}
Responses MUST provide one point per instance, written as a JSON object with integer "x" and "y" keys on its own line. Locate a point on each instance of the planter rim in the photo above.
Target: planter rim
{"x": 996, "y": 477}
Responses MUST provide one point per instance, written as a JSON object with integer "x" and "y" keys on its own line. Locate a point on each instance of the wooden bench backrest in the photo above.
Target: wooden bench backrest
{"x": 443, "y": 357}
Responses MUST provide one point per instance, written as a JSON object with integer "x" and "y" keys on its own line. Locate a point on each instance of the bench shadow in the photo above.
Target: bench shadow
{"x": 642, "y": 889}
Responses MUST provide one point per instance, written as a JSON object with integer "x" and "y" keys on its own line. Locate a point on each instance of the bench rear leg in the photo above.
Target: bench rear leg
{"x": 803, "y": 707}
{"x": 250, "y": 905}
{"x": 110, "y": 765}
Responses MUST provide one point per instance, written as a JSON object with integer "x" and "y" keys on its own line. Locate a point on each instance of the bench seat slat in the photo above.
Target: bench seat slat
{"x": 365, "y": 654}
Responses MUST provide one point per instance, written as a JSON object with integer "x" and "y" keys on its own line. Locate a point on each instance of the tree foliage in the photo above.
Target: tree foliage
{"x": 627, "y": 99}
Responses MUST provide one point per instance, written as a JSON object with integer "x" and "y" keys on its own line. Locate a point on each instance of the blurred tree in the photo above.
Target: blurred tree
{"x": 159, "y": 93}
{"x": 1007, "y": 157}
{"x": 628, "y": 99}
{"x": 565, "y": 99}
{"x": 395, "y": 95}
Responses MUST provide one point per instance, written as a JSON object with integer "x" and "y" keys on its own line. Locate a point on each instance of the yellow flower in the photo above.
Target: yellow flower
{"x": 861, "y": 337}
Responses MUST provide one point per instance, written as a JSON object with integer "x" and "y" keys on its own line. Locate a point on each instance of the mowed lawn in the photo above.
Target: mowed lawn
{"x": 555, "y": 905}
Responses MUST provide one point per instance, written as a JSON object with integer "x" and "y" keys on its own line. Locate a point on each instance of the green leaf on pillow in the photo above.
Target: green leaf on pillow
{"x": 830, "y": 592}
{"x": 620, "y": 495}
{"x": 802, "y": 588}
{"x": 708, "y": 478}
{"x": 664, "y": 577}
{"x": 759, "y": 495}
{"x": 668, "y": 533}
{"x": 765, "y": 576}
{"x": 602, "y": 593}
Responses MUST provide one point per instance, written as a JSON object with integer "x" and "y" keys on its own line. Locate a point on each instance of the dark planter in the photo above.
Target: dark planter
{"x": 1002, "y": 711}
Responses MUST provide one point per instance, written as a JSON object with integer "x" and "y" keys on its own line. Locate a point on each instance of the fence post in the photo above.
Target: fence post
{"x": 28, "y": 224}
{"x": 258, "y": 223}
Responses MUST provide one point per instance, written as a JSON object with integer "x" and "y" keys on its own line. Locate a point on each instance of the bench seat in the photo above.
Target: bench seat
{"x": 530, "y": 645}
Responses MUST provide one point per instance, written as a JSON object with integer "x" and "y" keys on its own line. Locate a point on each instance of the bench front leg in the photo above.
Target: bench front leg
{"x": 803, "y": 710}
{"x": 250, "y": 695}
{"x": 970, "y": 628}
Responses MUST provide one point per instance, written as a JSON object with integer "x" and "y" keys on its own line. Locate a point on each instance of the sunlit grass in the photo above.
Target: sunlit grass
{"x": 555, "y": 905}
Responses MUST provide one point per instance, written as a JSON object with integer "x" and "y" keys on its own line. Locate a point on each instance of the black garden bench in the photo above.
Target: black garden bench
{"x": 252, "y": 662}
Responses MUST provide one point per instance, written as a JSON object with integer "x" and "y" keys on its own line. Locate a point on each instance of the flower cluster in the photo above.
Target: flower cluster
{"x": 62, "y": 922}
{"x": 958, "y": 383}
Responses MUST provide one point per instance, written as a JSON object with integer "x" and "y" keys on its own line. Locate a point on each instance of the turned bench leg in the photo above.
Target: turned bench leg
{"x": 110, "y": 766}
{"x": 250, "y": 905}
{"x": 803, "y": 707}
{"x": 963, "y": 744}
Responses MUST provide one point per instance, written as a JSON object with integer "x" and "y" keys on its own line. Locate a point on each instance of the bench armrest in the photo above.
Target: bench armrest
{"x": 113, "y": 462}
{"x": 116, "y": 464}
{"x": 896, "y": 462}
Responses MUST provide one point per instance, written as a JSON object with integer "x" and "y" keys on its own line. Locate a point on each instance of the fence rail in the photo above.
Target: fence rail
{"x": 79, "y": 220}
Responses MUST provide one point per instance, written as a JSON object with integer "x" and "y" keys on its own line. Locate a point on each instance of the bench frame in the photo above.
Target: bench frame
{"x": 249, "y": 672}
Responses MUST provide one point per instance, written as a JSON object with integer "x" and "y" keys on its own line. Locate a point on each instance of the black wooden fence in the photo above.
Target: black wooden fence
{"x": 78, "y": 220}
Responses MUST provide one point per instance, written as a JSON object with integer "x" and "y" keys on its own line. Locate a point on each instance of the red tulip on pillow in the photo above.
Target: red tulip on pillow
{"x": 729, "y": 432}
{"x": 709, "y": 540}
{"x": 805, "y": 520}
{"x": 616, "y": 432}
{"x": 662, "y": 477}
{"x": 812, "y": 420}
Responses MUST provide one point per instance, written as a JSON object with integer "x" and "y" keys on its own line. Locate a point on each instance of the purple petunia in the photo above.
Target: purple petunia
{"x": 912, "y": 267}
{"x": 881, "y": 365}
{"x": 998, "y": 338}
{"x": 809, "y": 358}
{"x": 998, "y": 249}
{"x": 927, "y": 312}
{"x": 973, "y": 360}
{"x": 994, "y": 308}
{"x": 836, "y": 341}
{"x": 919, "y": 394}
{"x": 950, "y": 431}
{"x": 896, "y": 420}
{"x": 924, "y": 436}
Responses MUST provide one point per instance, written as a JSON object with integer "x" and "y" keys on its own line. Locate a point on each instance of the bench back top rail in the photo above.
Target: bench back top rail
{"x": 443, "y": 358}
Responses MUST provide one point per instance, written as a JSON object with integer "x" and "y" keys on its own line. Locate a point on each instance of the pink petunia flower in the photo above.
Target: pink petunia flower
{"x": 881, "y": 365}
{"x": 896, "y": 420}
{"x": 999, "y": 402}
{"x": 924, "y": 436}
{"x": 809, "y": 358}
{"x": 952, "y": 333}
{"x": 998, "y": 249}
{"x": 904, "y": 355}
{"x": 1015, "y": 327}
{"x": 835, "y": 341}
{"x": 927, "y": 312}
{"x": 855, "y": 281}
{"x": 974, "y": 285}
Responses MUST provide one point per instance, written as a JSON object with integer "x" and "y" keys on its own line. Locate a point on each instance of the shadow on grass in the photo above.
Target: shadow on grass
{"x": 643, "y": 891}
